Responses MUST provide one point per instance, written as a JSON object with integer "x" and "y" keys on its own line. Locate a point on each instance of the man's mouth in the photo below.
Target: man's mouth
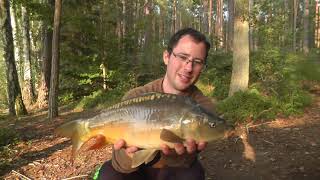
{"x": 185, "y": 78}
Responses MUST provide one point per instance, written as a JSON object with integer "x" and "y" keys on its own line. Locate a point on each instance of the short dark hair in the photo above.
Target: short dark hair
{"x": 196, "y": 35}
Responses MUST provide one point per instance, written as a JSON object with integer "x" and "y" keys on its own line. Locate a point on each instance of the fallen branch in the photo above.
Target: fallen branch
{"x": 269, "y": 142}
{"x": 20, "y": 175}
{"x": 251, "y": 126}
{"x": 74, "y": 177}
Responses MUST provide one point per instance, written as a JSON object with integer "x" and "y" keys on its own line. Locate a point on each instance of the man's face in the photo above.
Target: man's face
{"x": 181, "y": 72}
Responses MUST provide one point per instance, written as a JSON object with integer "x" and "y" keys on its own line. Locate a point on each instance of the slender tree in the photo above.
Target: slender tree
{"x": 16, "y": 22}
{"x": 16, "y": 105}
{"x": 230, "y": 25}
{"x": 251, "y": 41}
{"x": 219, "y": 24}
{"x": 294, "y": 28}
{"x": 46, "y": 56}
{"x": 306, "y": 27}
{"x": 54, "y": 80}
{"x": 28, "y": 90}
{"x": 174, "y": 17}
{"x": 240, "y": 66}
{"x": 317, "y": 25}
{"x": 210, "y": 18}
{"x": 205, "y": 16}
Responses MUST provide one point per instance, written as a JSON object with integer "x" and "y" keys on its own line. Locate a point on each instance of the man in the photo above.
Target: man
{"x": 185, "y": 58}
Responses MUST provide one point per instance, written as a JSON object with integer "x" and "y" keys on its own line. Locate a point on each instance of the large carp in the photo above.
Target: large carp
{"x": 147, "y": 122}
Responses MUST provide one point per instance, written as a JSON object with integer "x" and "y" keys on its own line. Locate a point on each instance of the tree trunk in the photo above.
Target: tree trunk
{"x": 17, "y": 42}
{"x": 251, "y": 41}
{"x": 28, "y": 88}
{"x": 46, "y": 57}
{"x": 230, "y": 25}
{"x": 15, "y": 32}
{"x": 210, "y": 18}
{"x": 294, "y": 28}
{"x": 161, "y": 24}
{"x": 16, "y": 105}
{"x": 317, "y": 25}
{"x": 240, "y": 66}
{"x": 205, "y": 16}
{"x": 306, "y": 27}
{"x": 124, "y": 23}
{"x": 54, "y": 80}
{"x": 219, "y": 24}
{"x": 174, "y": 17}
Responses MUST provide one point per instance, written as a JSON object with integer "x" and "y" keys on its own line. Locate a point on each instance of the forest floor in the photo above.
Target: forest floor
{"x": 286, "y": 148}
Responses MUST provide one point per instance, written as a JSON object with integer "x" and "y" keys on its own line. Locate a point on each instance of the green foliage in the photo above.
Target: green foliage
{"x": 100, "y": 99}
{"x": 66, "y": 97}
{"x": 246, "y": 105}
{"x": 275, "y": 87}
{"x": 267, "y": 66}
{"x": 118, "y": 85}
{"x": 218, "y": 74}
{"x": 278, "y": 76}
{"x": 307, "y": 67}
{"x": 294, "y": 102}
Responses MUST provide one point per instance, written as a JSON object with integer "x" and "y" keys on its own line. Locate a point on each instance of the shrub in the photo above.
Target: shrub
{"x": 218, "y": 74}
{"x": 248, "y": 104}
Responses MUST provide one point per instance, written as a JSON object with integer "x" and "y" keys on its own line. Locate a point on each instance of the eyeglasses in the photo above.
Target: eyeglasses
{"x": 196, "y": 63}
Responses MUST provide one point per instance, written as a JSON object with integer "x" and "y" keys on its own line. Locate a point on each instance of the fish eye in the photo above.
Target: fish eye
{"x": 212, "y": 124}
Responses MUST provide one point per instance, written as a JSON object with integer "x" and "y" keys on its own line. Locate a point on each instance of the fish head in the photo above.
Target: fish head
{"x": 204, "y": 126}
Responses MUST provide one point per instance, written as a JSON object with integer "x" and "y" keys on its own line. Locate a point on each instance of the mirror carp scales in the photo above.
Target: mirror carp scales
{"x": 147, "y": 122}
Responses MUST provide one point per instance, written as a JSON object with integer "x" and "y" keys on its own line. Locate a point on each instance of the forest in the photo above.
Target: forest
{"x": 62, "y": 60}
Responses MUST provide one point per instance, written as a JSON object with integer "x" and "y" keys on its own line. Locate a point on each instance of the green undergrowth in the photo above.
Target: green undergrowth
{"x": 247, "y": 106}
{"x": 100, "y": 99}
{"x": 277, "y": 84}
{"x": 252, "y": 105}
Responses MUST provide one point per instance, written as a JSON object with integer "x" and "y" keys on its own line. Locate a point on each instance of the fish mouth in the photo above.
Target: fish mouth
{"x": 230, "y": 131}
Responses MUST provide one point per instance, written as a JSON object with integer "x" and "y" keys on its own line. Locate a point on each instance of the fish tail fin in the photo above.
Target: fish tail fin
{"x": 74, "y": 130}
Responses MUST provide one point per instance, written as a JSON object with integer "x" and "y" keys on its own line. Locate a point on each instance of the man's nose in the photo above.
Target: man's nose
{"x": 188, "y": 65}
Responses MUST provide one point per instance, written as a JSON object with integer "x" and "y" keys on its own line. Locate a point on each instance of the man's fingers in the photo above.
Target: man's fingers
{"x": 119, "y": 144}
{"x": 191, "y": 146}
{"x": 202, "y": 145}
{"x": 180, "y": 149}
{"x": 165, "y": 149}
{"x": 131, "y": 149}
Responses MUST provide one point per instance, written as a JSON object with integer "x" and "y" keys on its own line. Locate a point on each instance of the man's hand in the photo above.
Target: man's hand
{"x": 122, "y": 144}
{"x": 191, "y": 147}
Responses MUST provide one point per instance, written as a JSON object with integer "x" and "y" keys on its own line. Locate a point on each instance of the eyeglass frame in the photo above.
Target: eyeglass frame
{"x": 186, "y": 59}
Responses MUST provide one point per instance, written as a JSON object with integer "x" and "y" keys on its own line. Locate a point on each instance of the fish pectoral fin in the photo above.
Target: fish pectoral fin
{"x": 98, "y": 141}
{"x": 169, "y": 136}
{"x": 143, "y": 156}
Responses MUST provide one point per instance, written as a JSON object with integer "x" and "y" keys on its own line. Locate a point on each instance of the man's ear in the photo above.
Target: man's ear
{"x": 166, "y": 57}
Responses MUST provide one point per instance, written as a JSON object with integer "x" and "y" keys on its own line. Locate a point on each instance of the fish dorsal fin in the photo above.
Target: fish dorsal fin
{"x": 143, "y": 156}
{"x": 169, "y": 136}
